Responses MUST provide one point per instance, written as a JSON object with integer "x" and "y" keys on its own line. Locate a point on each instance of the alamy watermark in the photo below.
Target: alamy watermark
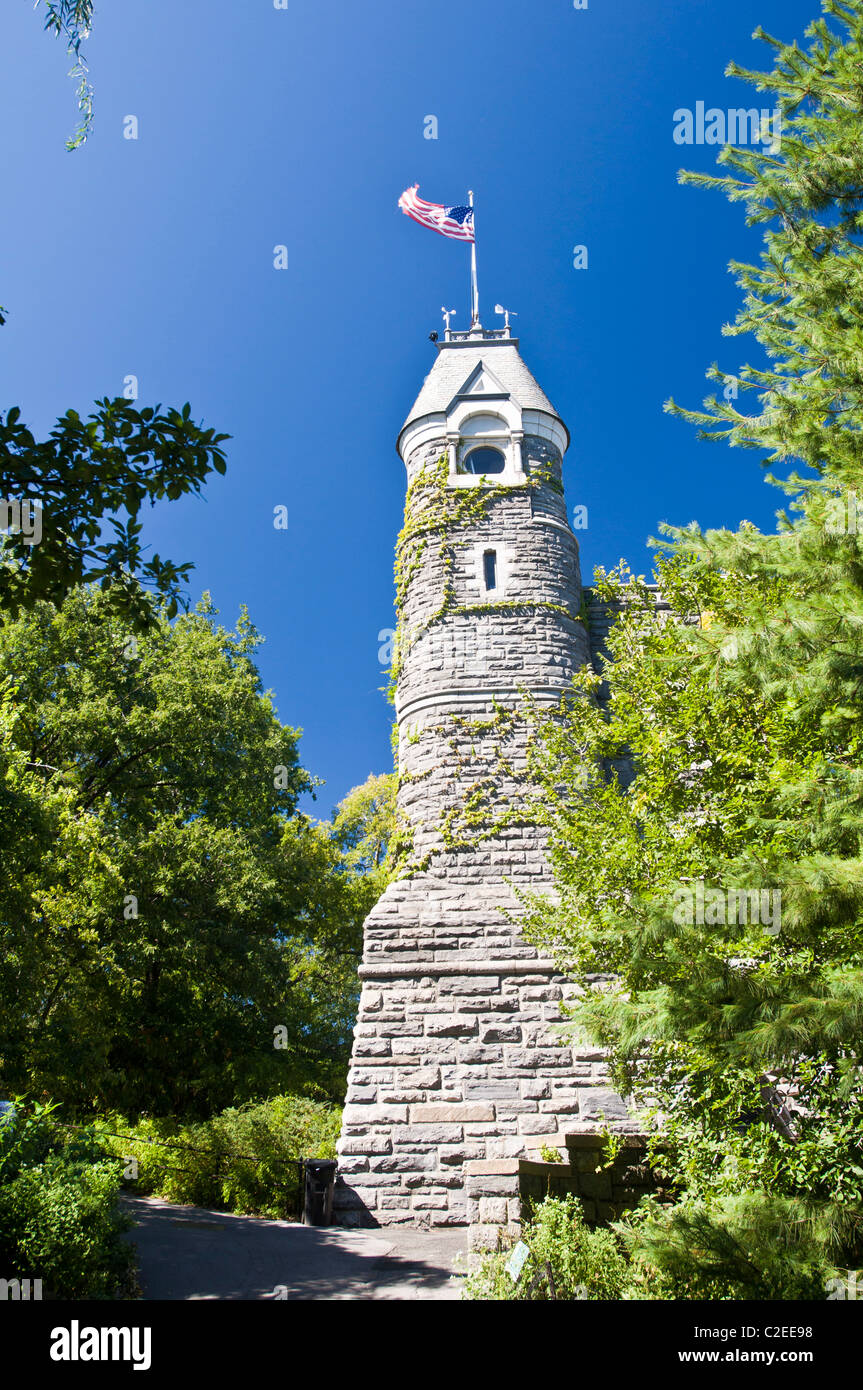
{"x": 22, "y": 515}
{"x": 739, "y": 126}
{"x": 719, "y": 907}
{"x": 454, "y": 647}
{"x": 850, "y": 1288}
{"x": 20, "y": 1290}
{"x": 844, "y": 516}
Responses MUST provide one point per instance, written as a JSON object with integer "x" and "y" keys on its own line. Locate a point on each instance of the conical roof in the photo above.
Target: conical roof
{"x": 461, "y": 361}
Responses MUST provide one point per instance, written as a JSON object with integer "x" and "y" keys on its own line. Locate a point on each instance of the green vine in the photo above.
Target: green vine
{"x": 433, "y": 512}
{"x": 434, "y": 509}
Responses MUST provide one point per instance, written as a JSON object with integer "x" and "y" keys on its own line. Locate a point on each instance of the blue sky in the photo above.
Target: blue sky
{"x": 260, "y": 127}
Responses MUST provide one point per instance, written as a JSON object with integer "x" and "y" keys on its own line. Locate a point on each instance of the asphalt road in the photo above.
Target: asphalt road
{"x": 190, "y": 1253}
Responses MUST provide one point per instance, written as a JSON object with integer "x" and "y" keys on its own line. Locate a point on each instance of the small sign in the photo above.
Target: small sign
{"x": 516, "y": 1262}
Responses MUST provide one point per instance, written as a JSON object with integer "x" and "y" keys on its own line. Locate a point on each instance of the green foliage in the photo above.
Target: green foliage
{"x": 59, "y": 1222}
{"x": 164, "y": 909}
{"x": 59, "y": 1215}
{"x": 363, "y": 828}
{"x": 583, "y": 1263}
{"x": 724, "y": 752}
{"x": 71, "y": 19}
{"x": 335, "y": 872}
{"x": 243, "y": 1160}
{"x": 725, "y": 1131}
{"x": 739, "y": 1247}
{"x": 88, "y": 473}
{"x": 26, "y": 1136}
{"x": 802, "y": 302}
{"x": 734, "y": 786}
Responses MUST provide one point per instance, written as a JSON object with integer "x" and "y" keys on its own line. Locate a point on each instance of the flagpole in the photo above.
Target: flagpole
{"x": 474, "y": 292}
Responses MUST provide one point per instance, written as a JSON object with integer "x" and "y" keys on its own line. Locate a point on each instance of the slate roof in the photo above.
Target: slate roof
{"x": 454, "y": 364}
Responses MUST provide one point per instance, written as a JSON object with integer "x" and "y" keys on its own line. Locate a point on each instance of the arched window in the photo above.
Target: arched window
{"x": 484, "y": 459}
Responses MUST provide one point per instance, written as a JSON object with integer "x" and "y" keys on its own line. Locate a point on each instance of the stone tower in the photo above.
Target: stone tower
{"x": 454, "y": 1067}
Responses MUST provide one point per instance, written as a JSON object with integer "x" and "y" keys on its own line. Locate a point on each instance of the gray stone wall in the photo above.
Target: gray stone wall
{"x": 456, "y": 1060}
{"x": 500, "y": 1195}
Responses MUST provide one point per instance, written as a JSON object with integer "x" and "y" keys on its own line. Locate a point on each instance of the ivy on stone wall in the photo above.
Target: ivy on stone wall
{"x": 434, "y": 513}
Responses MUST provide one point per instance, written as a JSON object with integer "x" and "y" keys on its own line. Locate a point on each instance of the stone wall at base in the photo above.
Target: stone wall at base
{"x": 456, "y": 1058}
{"x": 501, "y": 1192}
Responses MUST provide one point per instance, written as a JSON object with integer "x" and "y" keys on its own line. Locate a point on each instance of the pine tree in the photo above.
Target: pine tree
{"x": 741, "y": 719}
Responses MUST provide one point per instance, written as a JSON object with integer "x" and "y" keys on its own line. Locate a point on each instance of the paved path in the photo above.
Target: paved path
{"x": 190, "y": 1253}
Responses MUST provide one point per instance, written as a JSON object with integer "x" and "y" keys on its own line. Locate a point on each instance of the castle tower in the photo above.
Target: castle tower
{"x": 453, "y": 1060}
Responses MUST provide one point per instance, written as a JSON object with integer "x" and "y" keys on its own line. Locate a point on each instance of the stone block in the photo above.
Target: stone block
{"x": 473, "y": 1053}
{"x": 493, "y": 1210}
{"x": 375, "y": 1076}
{"x": 484, "y": 1237}
{"x": 426, "y": 1201}
{"x": 595, "y": 1185}
{"x": 414, "y": 1164}
{"x": 359, "y": 1164}
{"x": 364, "y": 1115}
{"x": 428, "y": 1134}
{"x": 440, "y": 1047}
{"x": 453, "y": 1216}
{"x": 500, "y": 1033}
{"x": 449, "y": 1025}
{"x": 361, "y": 1181}
{"x": 348, "y": 1198}
{"x": 543, "y": 993}
{"x": 469, "y": 984}
{"x": 364, "y": 1144}
{"x": 400, "y": 1216}
{"x": 491, "y": 1090}
{"x": 441, "y": 1114}
{"x": 537, "y": 1124}
{"x": 598, "y": 1103}
{"x": 361, "y": 1095}
{"x": 370, "y": 1047}
{"x": 486, "y": 1185}
{"x": 536, "y": 1059}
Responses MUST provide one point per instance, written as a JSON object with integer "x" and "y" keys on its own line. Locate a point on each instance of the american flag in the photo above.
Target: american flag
{"x": 454, "y": 222}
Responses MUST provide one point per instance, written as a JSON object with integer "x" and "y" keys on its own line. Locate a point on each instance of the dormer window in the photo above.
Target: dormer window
{"x": 484, "y": 459}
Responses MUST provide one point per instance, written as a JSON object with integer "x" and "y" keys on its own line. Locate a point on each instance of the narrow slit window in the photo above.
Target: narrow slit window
{"x": 489, "y": 566}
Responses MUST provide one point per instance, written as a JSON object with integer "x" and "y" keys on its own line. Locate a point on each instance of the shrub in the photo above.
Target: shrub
{"x": 59, "y": 1215}
{"x": 243, "y": 1160}
{"x": 750, "y": 1246}
{"x": 584, "y": 1263}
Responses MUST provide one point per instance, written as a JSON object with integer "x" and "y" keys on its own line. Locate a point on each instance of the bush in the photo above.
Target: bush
{"x": 584, "y": 1263}
{"x": 59, "y": 1215}
{"x": 751, "y": 1246}
{"x": 27, "y": 1136}
{"x": 243, "y": 1160}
